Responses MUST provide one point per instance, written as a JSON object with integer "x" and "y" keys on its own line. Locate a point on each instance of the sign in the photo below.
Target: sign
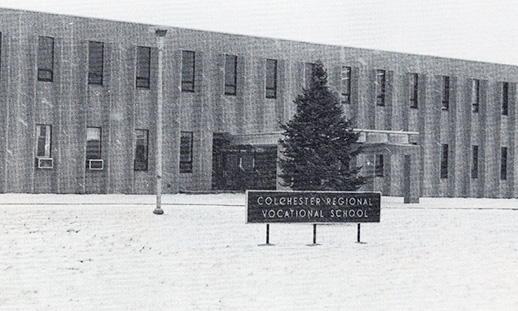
{"x": 312, "y": 206}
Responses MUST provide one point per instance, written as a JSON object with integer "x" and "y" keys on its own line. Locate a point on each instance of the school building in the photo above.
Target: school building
{"x": 79, "y": 98}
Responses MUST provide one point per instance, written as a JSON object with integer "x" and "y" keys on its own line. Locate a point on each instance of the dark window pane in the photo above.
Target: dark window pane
{"x": 475, "y": 94}
{"x": 46, "y": 59}
{"x": 503, "y": 164}
{"x": 413, "y": 89}
{"x": 186, "y": 152}
{"x": 188, "y": 71}
{"x": 379, "y": 168}
{"x": 93, "y": 143}
{"x": 141, "y": 150}
{"x": 308, "y": 74}
{"x": 346, "y": 85}
{"x": 505, "y": 98}
{"x": 143, "y": 66}
{"x": 43, "y": 140}
{"x": 95, "y": 62}
{"x": 230, "y": 74}
{"x": 380, "y": 87}
{"x": 474, "y": 167}
{"x": 271, "y": 78}
{"x": 445, "y": 93}
{"x": 444, "y": 162}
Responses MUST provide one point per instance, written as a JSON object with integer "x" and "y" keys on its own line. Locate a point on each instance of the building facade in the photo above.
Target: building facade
{"x": 78, "y": 111}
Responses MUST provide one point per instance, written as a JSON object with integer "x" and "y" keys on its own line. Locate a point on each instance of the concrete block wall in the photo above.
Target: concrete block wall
{"x": 70, "y": 105}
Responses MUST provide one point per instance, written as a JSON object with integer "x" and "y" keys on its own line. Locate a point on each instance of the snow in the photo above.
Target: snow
{"x": 110, "y": 252}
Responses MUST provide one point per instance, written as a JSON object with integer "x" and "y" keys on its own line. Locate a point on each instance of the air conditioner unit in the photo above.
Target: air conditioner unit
{"x": 95, "y": 164}
{"x": 45, "y": 163}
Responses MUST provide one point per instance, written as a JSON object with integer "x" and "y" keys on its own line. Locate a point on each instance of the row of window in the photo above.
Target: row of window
{"x": 379, "y": 168}
{"x": 474, "y": 162}
{"x": 143, "y": 71}
{"x": 94, "y": 147}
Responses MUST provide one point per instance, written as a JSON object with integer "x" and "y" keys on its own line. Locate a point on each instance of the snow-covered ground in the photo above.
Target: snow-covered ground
{"x": 110, "y": 252}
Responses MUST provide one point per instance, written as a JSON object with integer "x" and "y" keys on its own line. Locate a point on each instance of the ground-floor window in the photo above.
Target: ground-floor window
{"x": 186, "y": 152}
{"x": 141, "y": 150}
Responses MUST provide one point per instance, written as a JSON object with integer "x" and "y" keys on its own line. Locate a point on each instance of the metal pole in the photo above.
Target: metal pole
{"x": 314, "y": 233}
{"x": 267, "y": 234}
{"x": 359, "y": 233}
{"x": 160, "y": 34}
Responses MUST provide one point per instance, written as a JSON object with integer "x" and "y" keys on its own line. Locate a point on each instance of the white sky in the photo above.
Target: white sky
{"x": 484, "y": 30}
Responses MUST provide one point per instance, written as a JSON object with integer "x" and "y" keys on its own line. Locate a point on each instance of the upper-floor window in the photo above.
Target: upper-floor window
{"x": 271, "y": 78}
{"x": 143, "y": 66}
{"x": 308, "y": 74}
{"x": 505, "y": 98}
{"x": 141, "y": 150}
{"x": 186, "y": 157}
{"x": 346, "y": 85}
{"x": 445, "y": 94}
{"x": 43, "y": 140}
{"x": 95, "y": 62}
{"x": 475, "y": 95}
{"x": 230, "y": 74}
{"x": 444, "y": 161}
{"x": 46, "y": 59}
{"x": 413, "y": 90}
{"x": 188, "y": 71}
{"x": 380, "y": 87}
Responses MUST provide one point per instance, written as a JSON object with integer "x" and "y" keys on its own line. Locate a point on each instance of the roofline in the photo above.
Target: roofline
{"x": 260, "y": 37}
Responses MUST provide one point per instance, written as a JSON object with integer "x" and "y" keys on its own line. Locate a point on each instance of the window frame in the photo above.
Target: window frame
{"x": 503, "y": 163}
{"x": 505, "y": 98}
{"x": 379, "y": 166}
{"x": 188, "y": 77}
{"x": 475, "y": 95}
{"x": 230, "y": 74}
{"x": 47, "y": 141}
{"x": 45, "y": 67}
{"x": 345, "y": 85}
{"x": 271, "y": 80}
{"x": 143, "y": 69}
{"x": 413, "y": 90}
{"x": 94, "y": 76}
{"x": 444, "y": 161}
{"x": 100, "y": 143}
{"x": 141, "y": 164}
{"x": 186, "y": 165}
{"x": 474, "y": 162}
{"x": 445, "y": 93}
{"x": 380, "y": 86}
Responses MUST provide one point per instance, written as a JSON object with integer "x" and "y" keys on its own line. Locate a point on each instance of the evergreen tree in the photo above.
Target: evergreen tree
{"x": 319, "y": 143}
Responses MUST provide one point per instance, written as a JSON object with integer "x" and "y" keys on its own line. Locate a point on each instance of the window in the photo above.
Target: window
{"x": 43, "y": 140}
{"x": 46, "y": 59}
{"x": 230, "y": 74}
{"x": 445, "y": 94}
{"x": 95, "y": 62}
{"x": 413, "y": 89}
{"x": 475, "y": 95}
{"x": 186, "y": 152}
{"x": 346, "y": 85}
{"x": 379, "y": 168}
{"x": 271, "y": 78}
{"x": 188, "y": 71}
{"x": 308, "y": 74}
{"x": 141, "y": 150}
{"x": 143, "y": 67}
{"x": 503, "y": 163}
{"x": 93, "y": 143}
{"x": 474, "y": 163}
{"x": 505, "y": 98}
{"x": 444, "y": 162}
{"x": 380, "y": 87}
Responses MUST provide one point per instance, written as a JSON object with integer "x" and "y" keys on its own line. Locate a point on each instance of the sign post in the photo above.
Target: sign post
{"x": 314, "y": 207}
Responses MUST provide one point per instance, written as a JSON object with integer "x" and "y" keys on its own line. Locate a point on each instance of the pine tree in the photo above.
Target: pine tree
{"x": 319, "y": 143}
